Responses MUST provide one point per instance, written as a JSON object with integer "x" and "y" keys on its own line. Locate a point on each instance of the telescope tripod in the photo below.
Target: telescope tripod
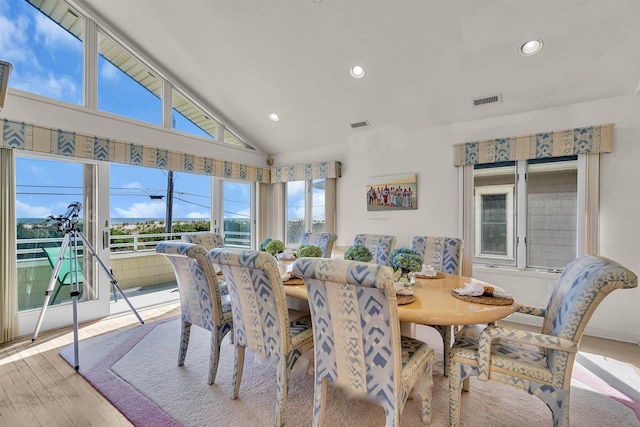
{"x": 71, "y": 236}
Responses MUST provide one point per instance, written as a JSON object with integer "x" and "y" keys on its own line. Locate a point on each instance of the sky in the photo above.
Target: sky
{"x": 47, "y": 60}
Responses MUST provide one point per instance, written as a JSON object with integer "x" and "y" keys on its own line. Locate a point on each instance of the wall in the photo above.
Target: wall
{"x": 428, "y": 152}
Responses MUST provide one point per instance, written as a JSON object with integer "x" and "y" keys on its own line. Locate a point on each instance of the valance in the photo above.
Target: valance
{"x": 568, "y": 142}
{"x": 30, "y": 137}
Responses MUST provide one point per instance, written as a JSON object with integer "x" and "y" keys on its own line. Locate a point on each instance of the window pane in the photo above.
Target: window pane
{"x": 494, "y": 224}
{"x": 125, "y": 86}
{"x": 237, "y": 215}
{"x": 191, "y": 119}
{"x": 551, "y": 214}
{"x": 318, "y": 208}
{"x": 296, "y": 212}
{"x": 45, "y": 48}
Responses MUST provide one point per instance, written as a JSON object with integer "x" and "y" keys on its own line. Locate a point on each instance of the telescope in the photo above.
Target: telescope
{"x": 72, "y": 213}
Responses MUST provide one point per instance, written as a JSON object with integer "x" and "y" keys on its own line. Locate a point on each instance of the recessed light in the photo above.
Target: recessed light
{"x": 530, "y": 47}
{"x": 357, "y": 71}
{"x": 274, "y": 117}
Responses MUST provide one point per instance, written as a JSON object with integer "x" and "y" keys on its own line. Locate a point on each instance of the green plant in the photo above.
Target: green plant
{"x": 263, "y": 244}
{"x": 309, "y": 251}
{"x": 358, "y": 253}
{"x": 274, "y": 247}
{"x": 405, "y": 260}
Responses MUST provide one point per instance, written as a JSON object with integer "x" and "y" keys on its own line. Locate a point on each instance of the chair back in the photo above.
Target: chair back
{"x": 355, "y": 324}
{"x": 200, "y": 300}
{"x": 581, "y": 286}
{"x": 323, "y": 240}
{"x": 205, "y": 239}
{"x": 258, "y": 301}
{"x": 443, "y": 253}
{"x": 380, "y": 246}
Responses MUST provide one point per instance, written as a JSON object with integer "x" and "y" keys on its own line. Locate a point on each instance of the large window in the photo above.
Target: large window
{"x": 305, "y": 210}
{"x": 526, "y": 213}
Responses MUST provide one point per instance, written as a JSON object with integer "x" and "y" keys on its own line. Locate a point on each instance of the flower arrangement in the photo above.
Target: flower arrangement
{"x": 263, "y": 244}
{"x": 358, "y": 253}
{"x": 406, "y": 261}
{"x": 309, "y": 251}
{"x": 274, "y": 247}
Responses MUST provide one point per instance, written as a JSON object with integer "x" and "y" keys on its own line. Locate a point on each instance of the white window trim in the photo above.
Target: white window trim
{"x": 507, "y": 190}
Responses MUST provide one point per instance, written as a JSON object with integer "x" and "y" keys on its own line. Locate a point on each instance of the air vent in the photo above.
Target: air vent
{"x": 360, "y": 124}
{"x": 487, "y": 100}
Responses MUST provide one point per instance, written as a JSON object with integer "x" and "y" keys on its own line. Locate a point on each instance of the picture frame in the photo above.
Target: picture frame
{"x": 392, "y": 192}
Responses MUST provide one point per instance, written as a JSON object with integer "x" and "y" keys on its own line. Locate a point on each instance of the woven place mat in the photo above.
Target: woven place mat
{"x": 294, "y": 281}
{"x": 405, "y": 299}
{"x": 483, "y": 299}
{"x": 437, "y": 276}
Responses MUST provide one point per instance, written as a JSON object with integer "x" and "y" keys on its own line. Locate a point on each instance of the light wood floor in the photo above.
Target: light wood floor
{"x": 39, "y": 388}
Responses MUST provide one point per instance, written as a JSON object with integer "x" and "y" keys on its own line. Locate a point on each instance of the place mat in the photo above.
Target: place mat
{"x": 483, "y": 299}
{"x": 405, "y": 299}
{"x": 438, "y": 275}
{"x": 294, "y": 281}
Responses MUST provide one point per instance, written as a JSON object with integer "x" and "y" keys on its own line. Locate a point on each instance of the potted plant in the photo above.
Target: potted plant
{"x": 358, "y": 253}
{"x": 309, "y": 251}
{"x": 405, "y": 261}
{"x": 274, "y": 247}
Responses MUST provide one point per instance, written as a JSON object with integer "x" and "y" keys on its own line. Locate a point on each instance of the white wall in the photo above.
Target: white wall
{"x": 428, "y": 152}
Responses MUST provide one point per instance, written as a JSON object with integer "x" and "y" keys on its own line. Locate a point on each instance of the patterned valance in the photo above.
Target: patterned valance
{"x": 569, "y": 142}
{"x": 320, "y": 170}
{"x": 30, "y": 137}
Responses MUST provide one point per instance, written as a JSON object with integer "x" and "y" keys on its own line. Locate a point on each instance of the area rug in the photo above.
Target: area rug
{"x": 136, "y": 370}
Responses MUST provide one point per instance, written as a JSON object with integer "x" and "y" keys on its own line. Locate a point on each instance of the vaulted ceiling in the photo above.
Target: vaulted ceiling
{"x": 425, "y": 60}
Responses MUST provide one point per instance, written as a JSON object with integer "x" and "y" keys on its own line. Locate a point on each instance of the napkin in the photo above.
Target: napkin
{"x": 401, "y": 290}
{"x": 427, "y": 271}
{"x": 287, "y": 255}
{"x": 477, "y": 289}
{"x": 285, "y": 277}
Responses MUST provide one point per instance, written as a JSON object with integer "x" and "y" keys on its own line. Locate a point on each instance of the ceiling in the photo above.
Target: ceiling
{"x": 425, "y": 60}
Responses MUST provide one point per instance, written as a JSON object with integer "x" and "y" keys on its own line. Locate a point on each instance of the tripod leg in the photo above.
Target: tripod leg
{"x": 107, "y": 270}
{"x": 52, "y": 283}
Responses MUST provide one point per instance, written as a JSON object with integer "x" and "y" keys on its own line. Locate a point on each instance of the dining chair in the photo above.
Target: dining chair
{"x": 443, "y": 253}
{"x": 358, "y": 345}
{"x": 324, "y": 241}
{"x": 65, "y": 275}
{"x": 380, "y": 246}
{"x": 206, "y": 239}
{"x": 540, "y": 363}
{"x": 201, "y": 302}
{"x": 262, "y": 321}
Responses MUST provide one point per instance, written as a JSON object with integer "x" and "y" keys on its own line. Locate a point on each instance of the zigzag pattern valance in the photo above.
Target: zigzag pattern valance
{"x": 569, "y": 142}
{"x": 30, "y": 137}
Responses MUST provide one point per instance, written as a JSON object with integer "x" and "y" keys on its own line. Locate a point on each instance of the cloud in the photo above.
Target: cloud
{"x": 134, "y": 184}
{"x": 51, "y": 86}
{"x": 24, "y": 210}
{"x": 51, "y": 35}
{"x": 109, "y": 72}
{"x": 198, "y": 215}
{"x": 14, "y": 40}
{"x": 295, "y": 188}
{"x": 142, "y": 210}
{"x": 246, "y": 213}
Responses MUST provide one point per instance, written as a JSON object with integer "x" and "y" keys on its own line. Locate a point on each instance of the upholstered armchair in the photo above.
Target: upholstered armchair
{"x": 540, "y": 363}
{"x": 356, "y": 330}
{"x": 379, "y": 245}
{"x": 323, "y": 240}
{"x": 205, "y": 239}
{"x": 261, "y": 319}
{"x": 443, "y": 253}
{"x": 201, "y": 303}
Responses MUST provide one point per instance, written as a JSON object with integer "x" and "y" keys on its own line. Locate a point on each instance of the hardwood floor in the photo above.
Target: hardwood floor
{"x": 39, "y": 388}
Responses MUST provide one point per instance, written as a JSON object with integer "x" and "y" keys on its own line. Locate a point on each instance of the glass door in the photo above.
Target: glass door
{"x": 235, "y": 210}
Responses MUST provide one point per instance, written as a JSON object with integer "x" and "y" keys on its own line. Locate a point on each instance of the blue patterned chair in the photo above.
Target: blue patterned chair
{"x": 539, "y": 363}
{"x": 358, "y": 345}
{"x": 205, "y": 239}
{"x": 443, "y": 253}
{"x": 201, "y": 303}
{"x": 379, "y": 245}
{"x": 323, "y": 240}
{"x": 262, "y": 321}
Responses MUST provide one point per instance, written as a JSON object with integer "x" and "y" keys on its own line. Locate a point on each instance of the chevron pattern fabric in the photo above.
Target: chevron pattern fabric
{"x": 380, "y": 246}
{"x": 443, "y": 253}
{"x": 261, "y": 319}
{"x": 357, "y": 336}
{"x": 324, "y": 241}
{"x": 540, "y": 363}
{"x": 201, "y": 302}
{"x": 205, "y": 239}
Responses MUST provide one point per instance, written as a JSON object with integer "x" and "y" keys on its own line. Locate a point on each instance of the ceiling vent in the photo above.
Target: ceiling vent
{"x": 362, "y": 124}
{"x": 487, "y": 100}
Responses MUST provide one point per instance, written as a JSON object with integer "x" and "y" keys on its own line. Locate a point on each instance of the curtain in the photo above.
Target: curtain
{"x": 467, "y": 221}
{"x": 8, "y": 256}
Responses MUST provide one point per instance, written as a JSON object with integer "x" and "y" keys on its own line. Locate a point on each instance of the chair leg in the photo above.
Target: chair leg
{"x": 184, "y": 342}
{"x": 214, "y": 356}
{"x": 282, "y": 387}
{"x": 558, "y": 401}
{"x": 237, "y": 369}
{"x": 455, "y": 391}
{"x": 319, "y": 402}
{"x": 428, "y": 394}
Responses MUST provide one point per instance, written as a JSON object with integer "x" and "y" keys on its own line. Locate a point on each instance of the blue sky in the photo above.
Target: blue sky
{"x": 47, "y": 60}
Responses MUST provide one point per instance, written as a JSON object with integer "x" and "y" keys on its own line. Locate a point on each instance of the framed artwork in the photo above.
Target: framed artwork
{"x": 392, "y": 192}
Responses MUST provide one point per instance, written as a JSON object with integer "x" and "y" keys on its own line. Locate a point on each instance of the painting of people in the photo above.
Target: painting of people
{"x": 392, "y": 192}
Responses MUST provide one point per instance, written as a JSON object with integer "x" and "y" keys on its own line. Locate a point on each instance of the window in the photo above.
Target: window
{"x": 191, "y": 119}
{"x": 526, "y": 213}
{"x": 305, "y": 209}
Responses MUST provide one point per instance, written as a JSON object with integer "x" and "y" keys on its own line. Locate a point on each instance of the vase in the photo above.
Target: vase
{"x": 405, "y": 277}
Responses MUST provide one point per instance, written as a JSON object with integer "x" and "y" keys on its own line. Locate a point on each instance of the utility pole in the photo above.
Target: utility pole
{"x": 168, "y": 225}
